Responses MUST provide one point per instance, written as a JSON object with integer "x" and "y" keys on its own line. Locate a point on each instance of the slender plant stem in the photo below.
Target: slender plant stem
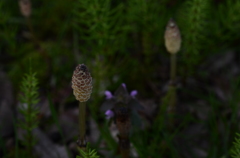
{"x": 82, "y": 124}
{"x": 29, "y": 131}
{"x": 123, "y": 124}
{"x": 125, "y": 153}
{"x": 124, "y": 147}
{"x": 16, "y": 153}
{"x": 172, "y": 87}
{"x": 173, "y": 68}
{"x": 30, "y": 27}
{"x": 37, "y": 42}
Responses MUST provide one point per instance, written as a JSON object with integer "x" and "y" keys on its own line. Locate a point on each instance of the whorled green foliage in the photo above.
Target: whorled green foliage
{"x": 229, "y": 20}
{"x": 88, "y": 153}
{"x": 147, "y": 20}
{"x": 193, "y": 23}
{"x": 100, "y": 25}
{"x": 233, "y": 19}
{"x": 47, "y": 42}
{"x": 101, "y": 37}
{"x": 235, "y": 151}
{"x": 28, "y": 99}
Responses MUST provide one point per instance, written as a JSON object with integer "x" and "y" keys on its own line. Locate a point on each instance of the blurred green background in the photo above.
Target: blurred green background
{"x": 122, "y": 41}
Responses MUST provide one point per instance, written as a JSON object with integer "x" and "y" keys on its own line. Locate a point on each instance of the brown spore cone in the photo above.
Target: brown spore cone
{"x": 82, "y": 83}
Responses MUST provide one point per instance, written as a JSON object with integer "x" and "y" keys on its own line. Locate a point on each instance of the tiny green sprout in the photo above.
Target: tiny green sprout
{"x": 235, "y": 151}
{"x": 88, "y": 153}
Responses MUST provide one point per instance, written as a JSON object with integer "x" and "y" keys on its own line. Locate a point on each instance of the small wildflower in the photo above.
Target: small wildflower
{"x": 25, "y": 7}
{"x": 121, "y": 97}
{"x": 108, "y": 94}
{"x": 124, "y": 85}
{"x": 109, "y": 114}
{"x": 134, "y": 93}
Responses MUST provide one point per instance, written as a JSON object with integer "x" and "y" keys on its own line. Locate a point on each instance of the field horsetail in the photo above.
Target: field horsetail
{"x": 82, "y": 89}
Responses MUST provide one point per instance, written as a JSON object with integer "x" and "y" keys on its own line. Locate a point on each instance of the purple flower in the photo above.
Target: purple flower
{"x": 134, "y": 93}
{"x": 109, "y": 114}
{"x": 124, "y": 85}
{"x": 108, "y": 94}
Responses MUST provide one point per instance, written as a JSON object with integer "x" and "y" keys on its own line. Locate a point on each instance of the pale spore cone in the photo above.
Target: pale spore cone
{"x": 25, "y": 7}
{"x": 82, "y": 83}
{"x": 172, "y": 37}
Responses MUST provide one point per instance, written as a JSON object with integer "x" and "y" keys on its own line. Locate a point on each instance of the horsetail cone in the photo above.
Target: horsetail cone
{"x": 172, "y": 37}
{"x": 82, "y": 83}
{"x": 25, "y": 7}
